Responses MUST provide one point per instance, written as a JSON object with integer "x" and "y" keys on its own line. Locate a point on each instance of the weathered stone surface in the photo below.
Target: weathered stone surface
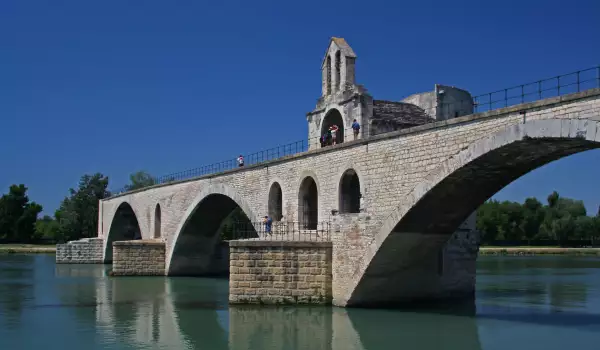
{"x": 279, "y": 272}
{"x": 83, "y": 251}
{"x": 138, "y": 258}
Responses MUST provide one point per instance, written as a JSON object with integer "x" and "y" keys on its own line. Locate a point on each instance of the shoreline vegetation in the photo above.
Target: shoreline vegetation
{"x": 484, "y": 251}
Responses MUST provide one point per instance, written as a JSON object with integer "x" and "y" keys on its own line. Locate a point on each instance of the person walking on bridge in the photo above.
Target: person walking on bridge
{"x": 240, "y": 161}
{"x": 268, "y": 223}
{"x": 355, "y": 128}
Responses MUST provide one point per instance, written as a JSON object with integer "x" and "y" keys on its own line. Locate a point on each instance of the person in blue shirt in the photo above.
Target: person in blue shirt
{"x": 268, "y": 222}
{"x": 355, "y": 128}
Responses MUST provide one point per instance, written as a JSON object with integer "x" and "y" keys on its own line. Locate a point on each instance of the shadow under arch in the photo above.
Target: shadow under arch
{"x": 124, "y": 227}
{"x": 349, "y": 192}
{"x": 409, "y": 241}
{"x": 199, "y": 248}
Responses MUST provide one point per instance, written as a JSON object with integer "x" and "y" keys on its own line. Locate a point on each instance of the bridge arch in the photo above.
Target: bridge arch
{"x": 308, "y": 201}
{"x": 123, "y": 226}
{"x": 350, "y": 190}
{"x": 157, "y": 221}
{"x": 432, "y": 211}
{"x": 275, "y": 201}
{"x": 195, "y": 248}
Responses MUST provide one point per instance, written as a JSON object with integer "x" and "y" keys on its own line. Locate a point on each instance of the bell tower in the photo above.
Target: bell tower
{"x": 337, "y": 68}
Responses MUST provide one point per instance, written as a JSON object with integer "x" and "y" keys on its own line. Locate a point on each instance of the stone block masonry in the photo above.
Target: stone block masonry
{"x": 138, "y": 258}
{"x": 280, "y": 272}
{"x": 83, "y": 251}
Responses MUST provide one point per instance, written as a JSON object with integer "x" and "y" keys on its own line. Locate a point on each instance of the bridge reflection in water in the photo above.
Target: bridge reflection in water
{"x": 185, "y": 313}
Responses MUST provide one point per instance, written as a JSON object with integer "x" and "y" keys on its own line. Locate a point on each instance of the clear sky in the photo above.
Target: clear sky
{"x": 163, "y": 86}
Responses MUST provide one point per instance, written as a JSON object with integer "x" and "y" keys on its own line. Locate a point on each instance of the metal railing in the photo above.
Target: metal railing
{"x": 556, "y": 86}
{"x": 280, "y": 231}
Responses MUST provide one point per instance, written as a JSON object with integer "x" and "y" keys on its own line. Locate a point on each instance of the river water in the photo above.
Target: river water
{"x": 522, "y": 303}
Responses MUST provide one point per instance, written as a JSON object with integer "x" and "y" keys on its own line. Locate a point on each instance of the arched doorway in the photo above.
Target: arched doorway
{"x": 201, "y": 247}
{"x": 308, "y": 204}
{"x": 275, "y": 202}
{"x": 334, "y": 117}
{"x": 157, "y": 221}
{"x": 349, "y": 192}
{"x": 124, "y": 227}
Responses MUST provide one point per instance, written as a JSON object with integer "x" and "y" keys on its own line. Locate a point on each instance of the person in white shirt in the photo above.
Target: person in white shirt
{"x": 240, "y": 161}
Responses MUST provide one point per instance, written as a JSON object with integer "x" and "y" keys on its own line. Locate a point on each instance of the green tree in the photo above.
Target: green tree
{"x": 139, "y": 180}
{"x": 18, "y": 215}
{"x": 48, "y": 228}
{"x": 533, "y": 216}
{"x": 77, "y": 215}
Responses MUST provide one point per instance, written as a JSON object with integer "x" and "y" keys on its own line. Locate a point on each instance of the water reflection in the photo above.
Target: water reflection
{"x": 94, "y": 311}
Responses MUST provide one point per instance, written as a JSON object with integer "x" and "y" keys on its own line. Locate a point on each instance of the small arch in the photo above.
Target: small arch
{"x": 157, "y": 221}
{"x": 334, "y": 117}
{"x": 308, "y": 204}
{"x": 338, "y": 74}
{"x": 275, "y": 202}
{"x": 349, "y": 193}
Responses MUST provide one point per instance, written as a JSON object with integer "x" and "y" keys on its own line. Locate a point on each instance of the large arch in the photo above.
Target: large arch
{"x": 196, "y": 248}
{"x": 308, "y": 204}
{"x": 124, "y": 226}
{"x": 275, "y": 202}
{"x": 349, "y": 192}
{"x": 410, "y": 239}
{"x": 334, "y": 117}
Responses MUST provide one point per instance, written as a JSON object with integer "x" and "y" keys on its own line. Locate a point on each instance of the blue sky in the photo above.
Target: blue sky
{"x": 116, "y": 87}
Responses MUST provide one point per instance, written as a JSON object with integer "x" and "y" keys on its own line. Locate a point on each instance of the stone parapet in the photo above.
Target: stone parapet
{"x": 138, "y": 258}
{"x": 279, "y": 272}
{"x": 83, "y": 251}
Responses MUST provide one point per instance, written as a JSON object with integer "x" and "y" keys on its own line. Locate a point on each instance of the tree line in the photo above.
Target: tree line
{"x": 76, "y": 217}
{"x": 560, "y": 220}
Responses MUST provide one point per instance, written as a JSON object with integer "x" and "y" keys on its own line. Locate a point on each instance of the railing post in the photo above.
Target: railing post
{"x": 577, "y": 81}
{"x": 522, "y": 93}
{"x": 505, "y": 97}
{"x": 558, "y": 85}
{"x": 540, "y": 88}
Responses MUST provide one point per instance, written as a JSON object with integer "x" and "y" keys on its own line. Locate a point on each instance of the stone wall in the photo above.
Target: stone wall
{"x": 138, "y": 258}
{"x": 83, "y": 251}
{"x": 279, "y": 272}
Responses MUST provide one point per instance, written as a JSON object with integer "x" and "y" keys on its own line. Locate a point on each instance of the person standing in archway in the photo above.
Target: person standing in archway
{"x": 355, "y": 128}
{"x": 334, "y": 130}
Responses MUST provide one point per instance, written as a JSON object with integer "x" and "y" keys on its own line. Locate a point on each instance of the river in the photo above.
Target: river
{"x": 522, "y": 303}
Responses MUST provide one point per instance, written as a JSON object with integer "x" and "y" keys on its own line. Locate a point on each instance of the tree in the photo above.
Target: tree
{"x": 139, "y": 180}
{"x": 18, "y": 215}
{"x": 77, "y": 215}
{"x": 48, "y": 228}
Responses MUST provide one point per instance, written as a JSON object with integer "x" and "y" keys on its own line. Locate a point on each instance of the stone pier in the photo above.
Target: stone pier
{"x": 139, "y": 258}
{"x": 280, "y": 272}
{"x": 83, "y": 251}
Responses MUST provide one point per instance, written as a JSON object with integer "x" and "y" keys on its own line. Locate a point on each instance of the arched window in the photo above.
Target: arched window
{"x": 275, "y": 202}
{"x": 328, "y": 63}
{"x": 157, "y": 221}
{"x": 308, "y": 204}
{"x": 338, "y": 74}
{"x": 349, "y": 192}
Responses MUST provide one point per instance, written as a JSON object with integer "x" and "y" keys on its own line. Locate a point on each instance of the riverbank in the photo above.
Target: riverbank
{"x": 51, "y": 249}
{"x": 538, "y": 251}
{"x": 27, "y": 249}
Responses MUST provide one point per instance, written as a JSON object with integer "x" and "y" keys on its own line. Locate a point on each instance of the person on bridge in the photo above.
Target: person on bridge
{"x": 268, "y": 223}
{"x": 334, "y": 130}
{"x": 240, "y": 161}
{"x": 355, "y": 128}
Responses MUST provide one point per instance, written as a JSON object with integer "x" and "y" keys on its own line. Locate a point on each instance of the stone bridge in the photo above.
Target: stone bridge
{"x": 418, "y": 185}
{"x": 399, "y": 194}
